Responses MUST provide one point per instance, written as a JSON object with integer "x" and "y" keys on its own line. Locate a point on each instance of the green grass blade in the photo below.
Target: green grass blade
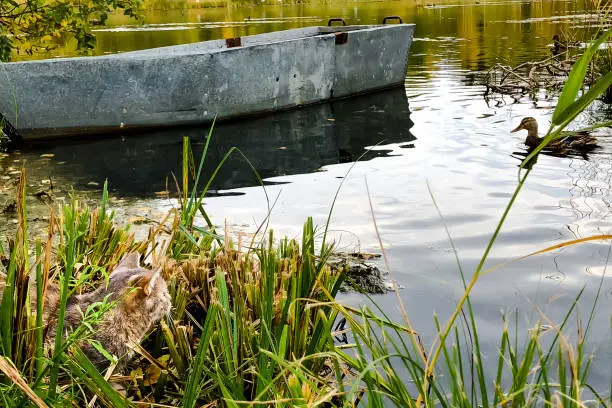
{"x": 592, "y": 127}
{"x": 337, "y": 193}
{"x": 72, "y": 230}
{"x": 194, "y": 385}
{"x": 201, "y": 165}
{"x": 498, "y": 394}
{"x": 39, "y": 310}
{"x": 574, "y": 82}
{"x": 220, "y": 165}
{"x": 173, "y": 350}
{"x": 585, "y": 100}
{"x": 185, "y": 173}
{"x": 8, "y": 305}
{"x": 451, "y": 321}
{"x": 81, "y": 367}
{"x": 103, "y": 203}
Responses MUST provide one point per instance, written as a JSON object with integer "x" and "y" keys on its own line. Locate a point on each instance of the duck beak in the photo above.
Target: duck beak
{"x": 520, "y": 127}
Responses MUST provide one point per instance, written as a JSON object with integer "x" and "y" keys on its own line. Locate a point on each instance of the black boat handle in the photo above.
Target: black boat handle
{"x": 331, "y": 20}
{"x": 393, "y": 18}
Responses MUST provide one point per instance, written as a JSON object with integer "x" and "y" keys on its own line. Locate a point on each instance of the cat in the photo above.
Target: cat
{"x": 142, "y": 299}
{"x": 139, "y": 297}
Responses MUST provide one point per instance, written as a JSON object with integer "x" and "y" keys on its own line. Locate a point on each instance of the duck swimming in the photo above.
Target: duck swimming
{"x": 562, "y": 46}
{"x": 570, "y": 140}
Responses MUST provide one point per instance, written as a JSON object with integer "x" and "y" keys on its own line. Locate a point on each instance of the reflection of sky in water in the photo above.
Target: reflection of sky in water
{"x": 463, "y": 151}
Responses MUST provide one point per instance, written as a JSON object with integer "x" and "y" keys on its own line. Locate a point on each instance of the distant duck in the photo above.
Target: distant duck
{"x": 570, "y": 140}
{"x": 562, "y": 46}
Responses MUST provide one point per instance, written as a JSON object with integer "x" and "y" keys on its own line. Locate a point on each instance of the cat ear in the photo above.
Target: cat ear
{"x": 130, "y": 261}
{"x": 147, "y": 283}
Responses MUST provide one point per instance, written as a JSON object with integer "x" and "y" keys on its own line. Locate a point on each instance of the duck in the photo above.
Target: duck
{"x": 561, "y": 46}
{"x": 570, "y": 140}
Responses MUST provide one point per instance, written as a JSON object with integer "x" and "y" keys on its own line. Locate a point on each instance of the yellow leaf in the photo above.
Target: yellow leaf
{"x": 46, "y": 38}
{"x": 153, "y": 372}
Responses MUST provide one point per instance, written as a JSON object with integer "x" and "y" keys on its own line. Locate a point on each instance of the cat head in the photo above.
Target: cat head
{"x": 143, "y": 291}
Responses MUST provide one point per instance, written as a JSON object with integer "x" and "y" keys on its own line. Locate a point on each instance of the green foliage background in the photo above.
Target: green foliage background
{"x": 31, "y": 25}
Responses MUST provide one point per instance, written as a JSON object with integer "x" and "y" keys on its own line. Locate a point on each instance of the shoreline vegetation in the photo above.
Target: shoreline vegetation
{"x": 550, "y": 73}
{"x": 196, "y": 4}
{"x": 256, "y": 323}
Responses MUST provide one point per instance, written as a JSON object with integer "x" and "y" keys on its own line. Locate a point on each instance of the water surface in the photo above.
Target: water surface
{"x": 439, "y": 138}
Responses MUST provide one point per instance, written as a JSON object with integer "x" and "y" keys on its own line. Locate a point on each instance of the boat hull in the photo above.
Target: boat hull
{"x": 195, "y": 83}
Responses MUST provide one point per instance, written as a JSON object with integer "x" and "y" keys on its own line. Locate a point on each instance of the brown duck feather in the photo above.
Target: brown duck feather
{"x": 570, "y": 140}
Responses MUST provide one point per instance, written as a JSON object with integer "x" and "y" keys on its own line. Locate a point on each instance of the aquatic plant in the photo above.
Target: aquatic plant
{"x": 245, "y": 312}
{"x": 551, "y": 72}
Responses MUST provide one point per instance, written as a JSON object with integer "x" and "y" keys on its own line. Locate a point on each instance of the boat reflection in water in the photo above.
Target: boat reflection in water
{"x": 300, "y": 141}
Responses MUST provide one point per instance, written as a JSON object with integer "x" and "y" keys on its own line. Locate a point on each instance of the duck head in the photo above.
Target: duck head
{"x": 530, "y": 125}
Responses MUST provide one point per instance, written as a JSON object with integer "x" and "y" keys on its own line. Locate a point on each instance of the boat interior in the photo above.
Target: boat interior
{"x": 278, "y": 36}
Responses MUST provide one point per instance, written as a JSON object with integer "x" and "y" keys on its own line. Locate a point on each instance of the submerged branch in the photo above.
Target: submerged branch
{"x": 531, "y": 76}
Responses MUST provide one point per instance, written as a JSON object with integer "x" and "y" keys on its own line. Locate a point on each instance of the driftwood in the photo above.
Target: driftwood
{"x": 531, "y": 76}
